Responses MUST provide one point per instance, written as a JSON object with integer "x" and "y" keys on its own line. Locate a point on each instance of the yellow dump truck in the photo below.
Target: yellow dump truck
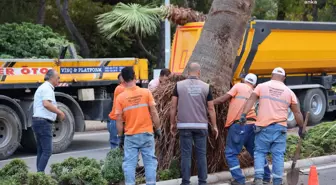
{"x": 306, "y": 50}
{"x": 84, "y": 94}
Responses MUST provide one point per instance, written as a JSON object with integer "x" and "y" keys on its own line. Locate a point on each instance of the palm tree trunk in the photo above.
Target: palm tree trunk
{"x": 79, "y": 39}
{"x": 222, "y": 33}
{"x": 41, "y": 12}
{"x": 143, "y": 48}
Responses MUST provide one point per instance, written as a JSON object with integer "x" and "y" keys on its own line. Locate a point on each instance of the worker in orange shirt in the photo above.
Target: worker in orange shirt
{"x": 271, "y": 127}
{"x": 136, "y": 107}
{"x": 111, "y": 125}
{"x": 240, "y": 135}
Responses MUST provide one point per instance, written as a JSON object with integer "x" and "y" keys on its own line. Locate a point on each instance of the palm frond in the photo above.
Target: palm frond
{"x": 132, "y": 18}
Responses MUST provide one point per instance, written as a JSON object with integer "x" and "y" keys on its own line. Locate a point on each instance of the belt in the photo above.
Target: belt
{"x": 248, "y": 119}
{"x": 44, "y": 119}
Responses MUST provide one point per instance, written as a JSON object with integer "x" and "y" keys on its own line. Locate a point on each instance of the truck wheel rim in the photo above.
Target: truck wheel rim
{"x": 5, "y": 132}
{"x": 59, "y": 131}
{"x": 316, "y": 104}
{"x": 290, "y": 115}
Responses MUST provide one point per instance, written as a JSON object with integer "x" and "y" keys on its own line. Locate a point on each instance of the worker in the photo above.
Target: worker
{"x": 136, "y": 107}
{"x": 238, "y": 135}
{"x": 45, "y": 113}
{"x": 271, "y": 127}
{"x": 112, "y": 123}
{"x": 164, "y": 75}
{"x": 192, "y": 100}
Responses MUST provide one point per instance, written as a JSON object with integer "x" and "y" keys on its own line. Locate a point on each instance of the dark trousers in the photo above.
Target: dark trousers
{"x": 43, "y": 134}
{"x": 188, "y": 137}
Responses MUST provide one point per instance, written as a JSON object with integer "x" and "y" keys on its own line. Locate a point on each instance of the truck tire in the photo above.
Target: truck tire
{"x": 10, "y": 131}
{"x": 63, "y": 132}
{"x": 314, "y": 101}
{"x": 291, "y": 122}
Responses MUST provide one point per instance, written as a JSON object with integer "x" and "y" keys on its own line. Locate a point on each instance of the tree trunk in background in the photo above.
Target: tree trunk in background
{"x": 315, "y": 12}
{"x": 281, "y": 10}
{"x": 222, "y": 33}
{"x": 305, "y": 13}
{"x": 75, "y": 34}
{"x": 41, "y": 12}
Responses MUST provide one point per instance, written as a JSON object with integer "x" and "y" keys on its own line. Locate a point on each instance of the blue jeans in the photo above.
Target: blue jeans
{"x": 43, "y": 134}
{"x": 144, "y": 143}
{"x": 271, "y": 138}
{"x": 238, "y": 137}
{"x": 112, "y": 128}
{"x": 199, "y": 138}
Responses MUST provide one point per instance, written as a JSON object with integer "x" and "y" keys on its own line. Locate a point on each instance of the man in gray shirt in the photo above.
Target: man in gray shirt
{"x": 45, "y": 113}
{"x": 192, "y": 100}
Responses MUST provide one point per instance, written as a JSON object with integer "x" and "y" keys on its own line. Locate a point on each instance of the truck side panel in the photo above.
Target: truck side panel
{"x": 18, "y": 71}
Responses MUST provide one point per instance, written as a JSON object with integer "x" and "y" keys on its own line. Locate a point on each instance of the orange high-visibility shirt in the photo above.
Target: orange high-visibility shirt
{"x": 134, "y": 105}
{"x": 118, "y": 90}
{"x": 240, "y": 93}
{"x": 274, "y": 100}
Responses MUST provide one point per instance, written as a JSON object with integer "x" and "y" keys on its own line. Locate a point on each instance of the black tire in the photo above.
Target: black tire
{"x": 10, "y": 131}
{"x": 314, "y": 101}
{"x": 63, "y": 132}
{"x": 28, "y": 141}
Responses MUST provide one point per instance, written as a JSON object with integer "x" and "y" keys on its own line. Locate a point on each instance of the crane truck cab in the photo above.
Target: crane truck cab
{"x": 306, "y": 50}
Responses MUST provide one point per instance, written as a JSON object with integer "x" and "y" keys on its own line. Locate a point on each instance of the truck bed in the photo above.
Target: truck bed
{"x": 298, "y": 47}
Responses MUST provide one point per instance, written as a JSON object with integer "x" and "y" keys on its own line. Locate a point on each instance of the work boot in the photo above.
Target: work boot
{"x": 236, "y": 183}
{"x": 265, "y": 181}
{"x": 258, "y": 182}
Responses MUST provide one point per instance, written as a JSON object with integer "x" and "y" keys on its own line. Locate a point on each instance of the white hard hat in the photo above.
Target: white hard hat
{"x": 251, "y": 78}
{"x": 279, "y": 71}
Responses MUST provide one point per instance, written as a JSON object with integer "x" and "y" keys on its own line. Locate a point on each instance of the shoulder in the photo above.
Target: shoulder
{"x": 154, "y": 81}
{"x": 144, "y": 90}
{"x": 121, "y": 96}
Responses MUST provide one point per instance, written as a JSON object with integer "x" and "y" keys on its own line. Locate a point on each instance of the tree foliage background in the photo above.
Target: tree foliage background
{"x": 83, "y": 14}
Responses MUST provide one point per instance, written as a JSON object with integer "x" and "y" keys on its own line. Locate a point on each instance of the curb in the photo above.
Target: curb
{"x": 95, "y": 126}
{"x": 226, "y": 175}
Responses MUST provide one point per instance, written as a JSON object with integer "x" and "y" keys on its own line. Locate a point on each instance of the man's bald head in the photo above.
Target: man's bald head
{"x": 194, "y": 69}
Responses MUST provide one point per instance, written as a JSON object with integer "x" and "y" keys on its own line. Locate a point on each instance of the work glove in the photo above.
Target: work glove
{"x": 121, "y": 141}
{"x": 157, "y": 134}
{"x": 301, "y": 133}
{"x": 242, "y": 119}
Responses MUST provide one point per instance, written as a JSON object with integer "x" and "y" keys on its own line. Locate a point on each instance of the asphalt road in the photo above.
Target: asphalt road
{"x": 90, "y": 144}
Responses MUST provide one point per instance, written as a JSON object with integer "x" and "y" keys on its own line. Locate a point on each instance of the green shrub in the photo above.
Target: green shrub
{"x": 8, "y": 181}
{"x": 40, "y": 179}
{"x": 16, "y": 171}
{"x": 112, "y": 169}
{"x": 320, "y": 140}
{"x": 78, "y": 171}
{"x": 173, "y": 172}
{"x": 27, "y": 40}
{"x": 83, "y": 175}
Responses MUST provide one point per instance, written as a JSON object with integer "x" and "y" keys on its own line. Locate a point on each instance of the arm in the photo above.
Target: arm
{"x": 120, "y": 125}
{"x": 50, "y": 107}
{"x": 222, "y": 99}
{"x": 297, "y": 114}
{"x": 173, "y": 110}
{"x": 47, "y": 97}
{"x": 212, "y": 114}
{"x": 155, "y": 117}
{"x": 250, "y": 102}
